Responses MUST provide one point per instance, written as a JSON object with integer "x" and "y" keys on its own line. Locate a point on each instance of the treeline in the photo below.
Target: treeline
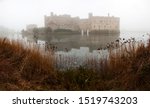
{"x": 47, "y": 31}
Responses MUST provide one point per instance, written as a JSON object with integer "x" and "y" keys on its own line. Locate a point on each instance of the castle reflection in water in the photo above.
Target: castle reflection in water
{"x": 69, "y": 42}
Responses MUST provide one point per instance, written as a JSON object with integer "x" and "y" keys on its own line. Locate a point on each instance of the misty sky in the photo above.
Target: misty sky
{"x": 16, "y": 14}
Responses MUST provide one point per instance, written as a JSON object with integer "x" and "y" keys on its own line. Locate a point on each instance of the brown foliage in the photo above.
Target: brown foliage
{"x": 127, "y": 68}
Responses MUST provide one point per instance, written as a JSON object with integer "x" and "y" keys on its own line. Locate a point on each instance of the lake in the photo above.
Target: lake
{"x": 73, "y": 50}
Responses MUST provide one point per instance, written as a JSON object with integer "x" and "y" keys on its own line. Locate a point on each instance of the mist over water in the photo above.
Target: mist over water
{"x": 75, "y": 49}
{"x": 16, "y": 14}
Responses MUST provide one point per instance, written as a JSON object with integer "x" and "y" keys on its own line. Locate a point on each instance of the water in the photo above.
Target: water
{"x": 74, "y": 50}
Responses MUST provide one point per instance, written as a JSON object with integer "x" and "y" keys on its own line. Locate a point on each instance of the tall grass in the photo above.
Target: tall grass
{"x": 22, "y": 67}
{"x": 126, "y": 68}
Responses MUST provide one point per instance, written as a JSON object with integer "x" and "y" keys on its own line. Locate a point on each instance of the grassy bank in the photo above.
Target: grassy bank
{"x": 127, "y": 68}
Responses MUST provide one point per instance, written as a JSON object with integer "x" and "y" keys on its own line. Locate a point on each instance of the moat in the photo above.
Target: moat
{"x": 75, "y": 41}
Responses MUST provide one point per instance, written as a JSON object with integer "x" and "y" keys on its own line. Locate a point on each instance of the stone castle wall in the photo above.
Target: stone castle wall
{"x": 92, "y": 23}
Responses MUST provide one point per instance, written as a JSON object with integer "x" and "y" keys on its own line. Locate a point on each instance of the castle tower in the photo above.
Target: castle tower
{"x": 45, "y": 21}
{"x": 52, "y": 14}
{"x": 90, "y": 15}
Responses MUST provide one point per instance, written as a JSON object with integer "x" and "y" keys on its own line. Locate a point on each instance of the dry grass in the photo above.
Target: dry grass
{"x": 21, "y": 68}
{"x": 127, "y": 68}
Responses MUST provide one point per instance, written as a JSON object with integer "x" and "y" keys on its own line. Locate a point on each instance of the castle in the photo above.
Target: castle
{"x": 91, "y": 24}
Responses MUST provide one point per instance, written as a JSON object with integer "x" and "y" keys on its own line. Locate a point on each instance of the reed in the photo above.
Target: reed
{"x": 24, "y": 68}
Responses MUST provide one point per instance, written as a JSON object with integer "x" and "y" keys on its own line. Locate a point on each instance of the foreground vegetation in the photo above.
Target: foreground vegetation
{"x": 127, "y": 68}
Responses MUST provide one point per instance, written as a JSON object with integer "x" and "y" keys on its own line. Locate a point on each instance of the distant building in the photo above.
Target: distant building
{"x": 92, "y": 23}
{"x": 30, "y": 27}
{"x": 103, "y": 23}
{"x": 62, "y": 22}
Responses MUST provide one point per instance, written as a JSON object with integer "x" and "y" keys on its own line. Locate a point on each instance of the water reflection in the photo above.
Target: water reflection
{"x": 76, "y": 50}
{"x": 70, "y": 42}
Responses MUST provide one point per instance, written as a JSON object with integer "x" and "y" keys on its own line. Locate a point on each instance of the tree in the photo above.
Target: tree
{"x": 48, "y": 31}
{"x": 35, "y": 34}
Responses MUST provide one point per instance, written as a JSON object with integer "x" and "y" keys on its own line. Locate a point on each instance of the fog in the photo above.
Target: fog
{"x": 16, "y": 14}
